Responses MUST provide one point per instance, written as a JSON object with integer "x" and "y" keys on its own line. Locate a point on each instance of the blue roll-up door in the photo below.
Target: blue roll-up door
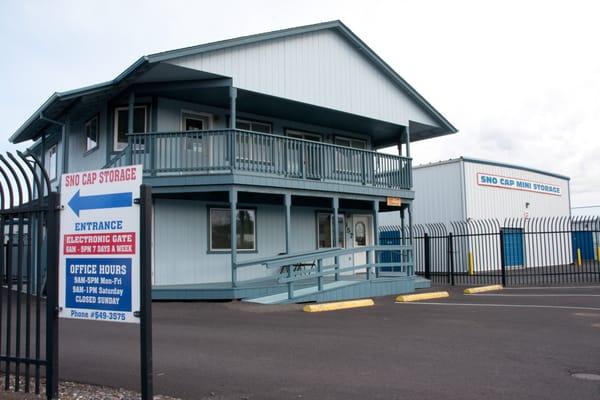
{"x": 513, "y": 247}
{"x": 584, "y": 241}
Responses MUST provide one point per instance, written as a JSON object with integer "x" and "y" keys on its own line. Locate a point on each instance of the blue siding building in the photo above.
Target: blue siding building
{"x": 262, "y": 152}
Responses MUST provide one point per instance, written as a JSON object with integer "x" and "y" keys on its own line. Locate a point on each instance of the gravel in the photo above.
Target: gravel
{"x": 72, "y": 391}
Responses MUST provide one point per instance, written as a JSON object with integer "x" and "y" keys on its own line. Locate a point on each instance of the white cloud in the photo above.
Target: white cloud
{"x": 520, "y": 79}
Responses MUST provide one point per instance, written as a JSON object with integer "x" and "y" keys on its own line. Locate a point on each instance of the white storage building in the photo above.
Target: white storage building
{"x": 466, "y": 188}
{"x": 484, "y": 196}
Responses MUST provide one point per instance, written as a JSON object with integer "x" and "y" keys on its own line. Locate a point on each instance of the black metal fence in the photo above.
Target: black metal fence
{"x": 28, "y": 276}
{"x": 512, "y": 252}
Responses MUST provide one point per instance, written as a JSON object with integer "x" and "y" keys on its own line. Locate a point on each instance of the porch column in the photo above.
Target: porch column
{"x": 130, "y": 108}
{"x": 407, "y": 137}
{"x": 335, "y": 204}
{"x": 233, "y": 233}
{"x": 287, "y": 199}
{"x": 410, "y": 236}
{"x": 376, "y": 234}
{"x": 232, "y": 107}
{"x": 402, "y": 235}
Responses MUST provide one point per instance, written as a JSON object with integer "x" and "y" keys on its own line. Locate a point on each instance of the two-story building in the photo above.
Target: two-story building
{"x": 262, "y": 154}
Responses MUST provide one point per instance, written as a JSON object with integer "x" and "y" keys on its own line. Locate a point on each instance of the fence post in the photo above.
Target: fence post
{"x": 53, "y": 236}
{"x": 502, "y": 258}
{"x": 427, "y": 257}
{"x": 146, "y": 292}
{"x": 450, "y": 266}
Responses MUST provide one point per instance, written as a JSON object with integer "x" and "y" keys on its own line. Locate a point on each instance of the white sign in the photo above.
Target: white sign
{"x": 506, "y": 182}
{"x": 99, "y": 268}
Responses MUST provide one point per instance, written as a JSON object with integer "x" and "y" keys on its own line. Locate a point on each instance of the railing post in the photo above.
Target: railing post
{"x": 502, "y": 258}
{"x": 129, "y": 155}
{"x": 151, "y": 143}
{"x": 427, "y": 257}
{"x": 335, "y": 203}
{"x": 368, "y": 267}
{"x": 450, "y": 263}
{"x": 320, "y": 277}
{"x": 303, "y": 160}
{"x": 364, "y": 168}
{"x": 232, "y": 150}
{"x": 376, "y": 234}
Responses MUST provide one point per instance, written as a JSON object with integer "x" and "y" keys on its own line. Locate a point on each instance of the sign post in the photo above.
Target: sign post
{"x": 105, "y": 257}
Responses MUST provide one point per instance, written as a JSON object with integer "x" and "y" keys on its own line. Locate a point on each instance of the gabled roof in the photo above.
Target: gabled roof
{"x": 59, "y": 101}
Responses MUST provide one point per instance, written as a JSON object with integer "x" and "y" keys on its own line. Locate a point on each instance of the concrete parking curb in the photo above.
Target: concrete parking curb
{"x": 338, "y": 305}
{"x": 482, "y": 289}
{"x": 421, "y": 296}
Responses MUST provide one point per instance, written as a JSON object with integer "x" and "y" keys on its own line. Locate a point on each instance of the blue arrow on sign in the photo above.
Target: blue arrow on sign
{"x": 100, "y": 201}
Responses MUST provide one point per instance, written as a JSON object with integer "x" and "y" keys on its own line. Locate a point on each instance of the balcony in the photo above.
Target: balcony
{"x": 234, "y": 151}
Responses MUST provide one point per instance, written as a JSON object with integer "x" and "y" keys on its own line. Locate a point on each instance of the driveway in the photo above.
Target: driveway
{"x": 518, "y": 343}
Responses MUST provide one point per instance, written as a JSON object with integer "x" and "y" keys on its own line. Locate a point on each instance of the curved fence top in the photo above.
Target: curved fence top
{"x": 23, "y": 181}
{"x": 493, "y": 226}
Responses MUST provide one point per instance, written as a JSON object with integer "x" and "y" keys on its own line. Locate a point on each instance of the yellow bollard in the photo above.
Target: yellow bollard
{"x": 471, "y": 262}
{"x": 579, "y": 257}
{"x": 598, "y": 251}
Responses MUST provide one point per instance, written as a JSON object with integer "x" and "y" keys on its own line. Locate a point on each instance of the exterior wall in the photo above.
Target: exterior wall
{"x": 79, "y": 158}
{"x": 340, "y": 77}
{"x": 181, "y": 242}
{"x": 492, "y": 202}
{"x": 169, "y": 120}
{"x": 439, "y": 193}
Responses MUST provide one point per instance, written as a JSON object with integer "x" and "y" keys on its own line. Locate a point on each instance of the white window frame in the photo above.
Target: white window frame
{"x": 341, "y": 233}
{"x": 52, "y": 169}
{"x": 249, "y": 156}
{"x": 119, "y": 146}
{"x": 185, "y": 114}
{"x": 195, "y": 145}
{"x": 343, "y": 161}
{"x": 294, "y": 133}
{"x": 85, "y": 129}
{"x": 228, "y": 250}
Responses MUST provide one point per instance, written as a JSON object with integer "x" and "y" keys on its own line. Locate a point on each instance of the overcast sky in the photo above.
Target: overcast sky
{"x": 520, "y": 80}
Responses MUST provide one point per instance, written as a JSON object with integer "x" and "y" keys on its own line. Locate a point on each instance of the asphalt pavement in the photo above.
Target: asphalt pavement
{"x": 514, "y": 344}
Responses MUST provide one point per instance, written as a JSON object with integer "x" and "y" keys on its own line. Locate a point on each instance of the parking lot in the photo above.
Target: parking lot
{"x": 517, "y": 343}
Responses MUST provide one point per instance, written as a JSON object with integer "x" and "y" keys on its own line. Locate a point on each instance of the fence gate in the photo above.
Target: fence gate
{"x": 28, "y": 277}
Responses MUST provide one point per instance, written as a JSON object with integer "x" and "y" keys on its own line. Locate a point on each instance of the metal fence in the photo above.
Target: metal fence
{"x": 512, "y": 252}
{"x": 28, "y": 276}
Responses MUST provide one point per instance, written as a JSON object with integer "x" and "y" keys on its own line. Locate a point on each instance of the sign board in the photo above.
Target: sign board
{"x": 506, "y": 182}
{"x": 394, "y": 201}
{"x": 99, "y": 266}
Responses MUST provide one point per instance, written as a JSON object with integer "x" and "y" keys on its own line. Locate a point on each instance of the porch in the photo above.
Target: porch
{"x": 266, "y": 246}
{"x": 171, "y": 155}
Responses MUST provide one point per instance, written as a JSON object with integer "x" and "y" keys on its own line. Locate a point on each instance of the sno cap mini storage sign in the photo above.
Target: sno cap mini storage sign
{"x": 99, "y": 245}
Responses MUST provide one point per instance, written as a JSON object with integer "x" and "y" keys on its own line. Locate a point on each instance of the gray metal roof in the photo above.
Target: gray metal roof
{"x": 60, "y": 101}
{"x": 494, "y": 163}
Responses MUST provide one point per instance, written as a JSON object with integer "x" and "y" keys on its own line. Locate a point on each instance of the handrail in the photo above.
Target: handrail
{"x": 264, "y": 260}
{"x": 113, "y": 161}
{"x": 268, "y": 135}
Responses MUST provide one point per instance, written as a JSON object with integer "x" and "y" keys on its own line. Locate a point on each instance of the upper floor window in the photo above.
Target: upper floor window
{"x": 51, "y": 162}
{"x": 91, "y": 134}
{"x": 350, "y": 142}
{"x": 122, "y": 122}
{"x": 254, "y": 126}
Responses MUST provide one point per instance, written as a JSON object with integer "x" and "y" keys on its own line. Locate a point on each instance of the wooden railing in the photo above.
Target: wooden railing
{"x": 232, "y": 150}
{"x": 327, "y": 265}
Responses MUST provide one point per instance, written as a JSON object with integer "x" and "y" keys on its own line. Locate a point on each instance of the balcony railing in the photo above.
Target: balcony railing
{"x": 234, "y": 150}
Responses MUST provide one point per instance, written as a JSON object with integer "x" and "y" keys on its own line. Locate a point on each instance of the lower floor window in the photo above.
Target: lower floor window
{"x": 220, "y": 229}
{"x": 325, "y": 230}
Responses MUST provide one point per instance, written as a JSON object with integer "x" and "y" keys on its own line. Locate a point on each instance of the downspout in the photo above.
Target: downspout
{"x": 64, "y": 141}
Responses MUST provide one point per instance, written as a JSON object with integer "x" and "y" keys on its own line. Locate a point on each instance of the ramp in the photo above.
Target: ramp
{"x": 300, "y": 294}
